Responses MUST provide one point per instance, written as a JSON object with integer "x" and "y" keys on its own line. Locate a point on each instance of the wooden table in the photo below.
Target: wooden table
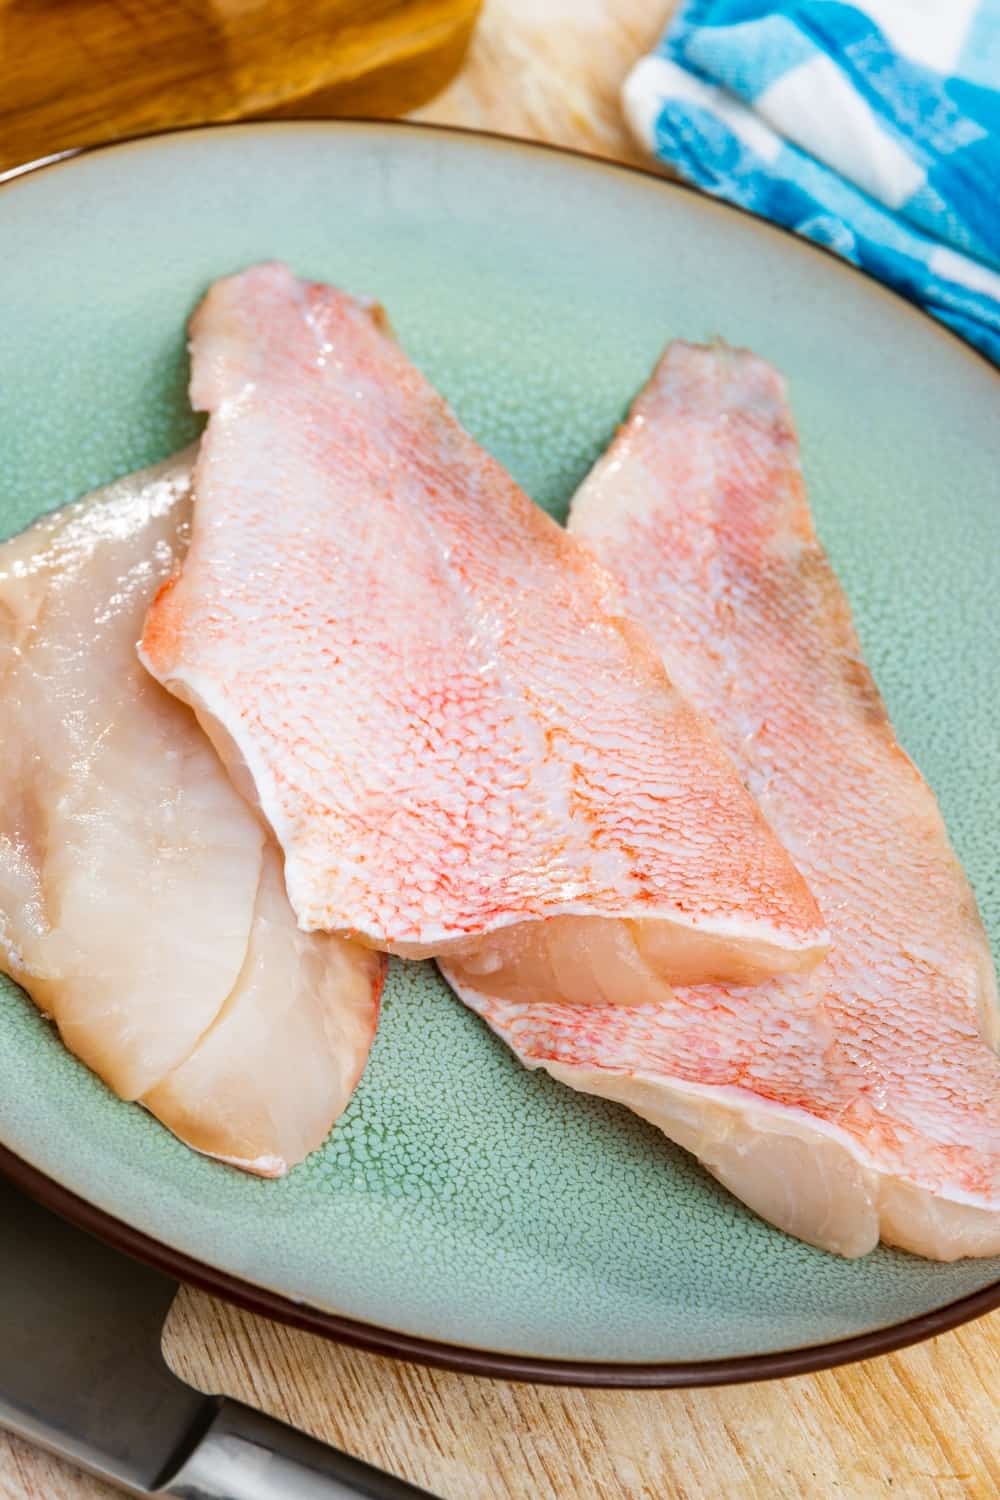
{"x": 923, "y": 1423}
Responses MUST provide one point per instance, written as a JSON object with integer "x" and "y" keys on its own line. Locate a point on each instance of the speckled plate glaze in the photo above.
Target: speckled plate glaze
{"x": 462, "y": 1201}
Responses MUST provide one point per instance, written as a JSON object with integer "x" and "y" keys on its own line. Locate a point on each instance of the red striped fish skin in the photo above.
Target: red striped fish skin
{"x": 141, "y": 902}
{"x": 446, "y": 720}
{"x": 861, "y": 1100}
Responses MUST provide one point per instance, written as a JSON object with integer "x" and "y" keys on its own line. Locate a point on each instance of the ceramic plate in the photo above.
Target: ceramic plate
{"x": 462, "y": 1201}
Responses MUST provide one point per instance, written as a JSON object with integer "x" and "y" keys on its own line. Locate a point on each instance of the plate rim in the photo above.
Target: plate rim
{"x": 377, "y": 1338}
{"x": 474, "y": 135}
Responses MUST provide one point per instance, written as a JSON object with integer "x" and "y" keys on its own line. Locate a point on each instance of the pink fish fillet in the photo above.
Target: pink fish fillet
{"x": 861, "y": 1100}
{"x": 141, "y": 901}
{"x": 459, "y": 742}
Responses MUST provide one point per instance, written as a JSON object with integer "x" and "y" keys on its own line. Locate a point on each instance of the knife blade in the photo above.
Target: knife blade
{"x": 82, "y": 1374}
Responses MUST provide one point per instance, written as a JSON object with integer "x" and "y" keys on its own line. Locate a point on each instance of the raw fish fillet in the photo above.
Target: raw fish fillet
{"x": 863, "y": 1099}
{"x": 141, "y": 901}
{"x": 431, "y": 691}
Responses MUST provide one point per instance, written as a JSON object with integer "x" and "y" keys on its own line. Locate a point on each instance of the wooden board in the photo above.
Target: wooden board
{"x": 919, "y": 1425}
{"x": 76, "y": 72}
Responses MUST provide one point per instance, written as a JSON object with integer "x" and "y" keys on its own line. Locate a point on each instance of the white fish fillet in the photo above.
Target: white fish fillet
{"x": 459, "y": 742}
{"x": 861, "y": 1100}
{"x": 141, "y": 902}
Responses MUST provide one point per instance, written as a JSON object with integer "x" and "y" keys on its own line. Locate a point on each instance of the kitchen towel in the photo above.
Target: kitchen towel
{"x": 872, "y": 128}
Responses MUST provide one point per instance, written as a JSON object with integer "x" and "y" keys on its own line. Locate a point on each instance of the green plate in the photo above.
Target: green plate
{"x": 462, "y": 1201}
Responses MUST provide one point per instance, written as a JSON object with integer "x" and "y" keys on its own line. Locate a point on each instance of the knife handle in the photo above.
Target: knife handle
{"x": 245, "y": 1455}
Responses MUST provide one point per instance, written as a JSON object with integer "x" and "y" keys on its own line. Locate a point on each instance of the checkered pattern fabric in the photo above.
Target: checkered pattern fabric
{"x": 873, "y": 129}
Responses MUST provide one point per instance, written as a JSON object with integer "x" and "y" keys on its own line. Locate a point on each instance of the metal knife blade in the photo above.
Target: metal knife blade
{"x": 80, "y": 1363}
{"x": 81, "y": 1373}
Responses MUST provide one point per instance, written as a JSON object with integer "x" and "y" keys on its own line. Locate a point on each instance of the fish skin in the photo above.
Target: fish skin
{"x": 139, "y": 898}
{"x": 431, "y": 688}
{"x": 861, "y": 1100}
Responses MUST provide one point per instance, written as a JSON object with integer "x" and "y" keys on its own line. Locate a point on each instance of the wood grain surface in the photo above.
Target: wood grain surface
{"x": 78, "y": 72}
{"x": 920, "y": 1425}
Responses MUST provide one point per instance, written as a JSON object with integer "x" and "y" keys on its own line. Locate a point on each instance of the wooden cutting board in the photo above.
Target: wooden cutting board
{"x": 77, "y": 72}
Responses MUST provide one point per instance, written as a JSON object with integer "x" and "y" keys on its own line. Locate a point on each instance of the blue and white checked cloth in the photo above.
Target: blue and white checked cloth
{"x": 872, "y": 128}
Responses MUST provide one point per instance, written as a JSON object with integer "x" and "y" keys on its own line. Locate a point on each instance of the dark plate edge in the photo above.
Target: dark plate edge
{"x": 470, "y": 1361}
{"x": 385, "y": 1341}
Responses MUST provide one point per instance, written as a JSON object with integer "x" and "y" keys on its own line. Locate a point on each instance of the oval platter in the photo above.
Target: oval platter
{"x": 465, "y": 1211}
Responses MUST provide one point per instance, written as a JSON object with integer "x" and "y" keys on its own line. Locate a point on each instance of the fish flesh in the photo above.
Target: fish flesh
{"x": 862, "y": 1100}
{"x": 141, "y": 901}
{"x": 430, "y": 691}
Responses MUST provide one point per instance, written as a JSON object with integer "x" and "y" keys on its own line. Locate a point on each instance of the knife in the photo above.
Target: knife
{"x": 81, "y": 1373}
